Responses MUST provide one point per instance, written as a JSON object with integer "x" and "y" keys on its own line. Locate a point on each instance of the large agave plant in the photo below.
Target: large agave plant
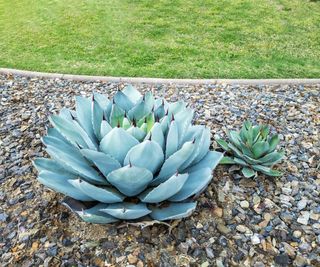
{"x": 253, "y": 149}
{"x": 127, "y": 158}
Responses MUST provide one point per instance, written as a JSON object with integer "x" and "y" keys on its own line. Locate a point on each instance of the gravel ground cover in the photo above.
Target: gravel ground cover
{"x": 238, "y": 222}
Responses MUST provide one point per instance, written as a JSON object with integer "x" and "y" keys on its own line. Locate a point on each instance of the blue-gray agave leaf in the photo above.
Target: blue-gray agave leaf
{"x": 172, "y": 164}
{"x": 75, "y": 164}
{"x": 104, "y": 162}
{"x": 123, "y": 101}
{"x": 102, "y": 194}
{"x": 126, "y": 124}
{"x": 116, "y": 116}
{"x": 130, "y": 180}
{"x": 132, "y": 93}
{"x": 66, "y": 114}
{"x": 84, "y": 117}
{"x": 72, "y": 131}
{"x": 165, "y": 190}
{"x": 198, "y": 140}
{"x": 137, "y": 133}
{"x": 143, "y": 108}
{"x": 147, "y": 154}
{"x": 173, "y": 211}
{"x": 211, "y": 160}
{"x": 156, "y": 135}
{"x": 204, "y": 145}
{"x": 102, "y": 101}
{"x": 196, "y": 181}
{"x": 95, "y": 215}
{"x": 44, "y": 164}
{"x": 176, "y": 107}
{"x": 53, "y": 132}
{"x": 59, "y": 183}
{"x": 172, "y": 142}
{"x": 105, "y": 128}
{"x": 183, "y": 120}
{"x": 165, "y": 123}
{"x": 97, "y": 117}
{"x": 59, "y": 143}
{"x": 127, "y": 211}
{"x": 192, "y": 132}
{"x": 160, "y": 107}
{"x": 117, "y": 143}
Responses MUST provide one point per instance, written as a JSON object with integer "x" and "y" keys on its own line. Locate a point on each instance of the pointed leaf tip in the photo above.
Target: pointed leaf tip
{"x": 117, "y": 143}
{"x": 173, "y": 211}
{"x": 127, "y": 211}
{"x": 165, "y": 190}
{"x": 130, "y": 180}
{"x": 248, "y": 173}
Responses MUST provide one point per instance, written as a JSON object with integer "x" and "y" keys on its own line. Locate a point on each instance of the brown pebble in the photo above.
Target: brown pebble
{"x": 218, "y": 212}
{"x": 132, "y": 259}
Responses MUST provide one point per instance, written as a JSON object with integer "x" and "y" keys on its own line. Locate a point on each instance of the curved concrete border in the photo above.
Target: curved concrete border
{"x": 159, "y": 80}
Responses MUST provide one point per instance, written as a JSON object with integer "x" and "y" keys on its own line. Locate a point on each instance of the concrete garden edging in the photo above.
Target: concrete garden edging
{"x": 135, "y": 80}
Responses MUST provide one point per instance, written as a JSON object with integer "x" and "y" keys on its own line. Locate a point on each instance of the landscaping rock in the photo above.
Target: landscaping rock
{"x": 238, "y": 222}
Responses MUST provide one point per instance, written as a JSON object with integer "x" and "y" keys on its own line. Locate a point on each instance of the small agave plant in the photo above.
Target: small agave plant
{"x": 253, "y": 149}
{"x": 133, "y": 157}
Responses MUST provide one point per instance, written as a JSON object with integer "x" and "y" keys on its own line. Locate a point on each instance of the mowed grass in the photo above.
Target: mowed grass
{"x": 176, "y": 39}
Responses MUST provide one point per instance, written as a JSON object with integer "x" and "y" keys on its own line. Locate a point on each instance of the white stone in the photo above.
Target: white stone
{"x": 286, "y": 191}
{"x": 242, "y": 229}
{"x": 256, "y": 200}
{"x": 302, "y": 204}
{"x": 205, "y": 264}
{"x": 304, "y": 218}
{"x": 255, "y": 239}
{"x": 315, "y": 216}
{"x": 297, "y": 234}
{"x": 199, "y": 225}
{"x": 244, "y": 204}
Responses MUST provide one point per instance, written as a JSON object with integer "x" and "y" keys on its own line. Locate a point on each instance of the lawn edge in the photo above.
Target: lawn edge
{"x": 133, "y": 80}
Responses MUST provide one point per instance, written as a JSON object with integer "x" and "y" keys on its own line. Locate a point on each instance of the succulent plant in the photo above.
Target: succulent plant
{"x": 133, "y": 157}
{"x": 253, "y": 149}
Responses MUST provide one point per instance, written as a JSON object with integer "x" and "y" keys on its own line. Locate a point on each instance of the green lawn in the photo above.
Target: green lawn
{"x": 182, "y": 39}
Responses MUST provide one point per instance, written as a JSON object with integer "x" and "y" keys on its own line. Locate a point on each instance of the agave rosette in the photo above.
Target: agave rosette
{"x": 253, "y": 148}
{"x": 131, "y": 157}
